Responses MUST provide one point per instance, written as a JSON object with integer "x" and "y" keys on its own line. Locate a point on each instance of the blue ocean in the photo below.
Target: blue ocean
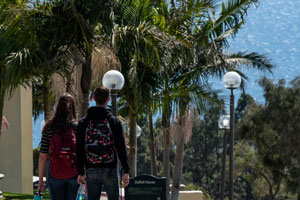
{"x": 271, "y": 29}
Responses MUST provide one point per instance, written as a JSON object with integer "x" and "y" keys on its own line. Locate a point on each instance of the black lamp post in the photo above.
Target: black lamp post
{"x": 114, "y": 81}
{"x": 224, "y": 124}
{"x": 232, "y": 81}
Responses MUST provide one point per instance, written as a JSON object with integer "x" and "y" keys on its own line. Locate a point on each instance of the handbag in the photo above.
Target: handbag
{"x": 38, "y": 195}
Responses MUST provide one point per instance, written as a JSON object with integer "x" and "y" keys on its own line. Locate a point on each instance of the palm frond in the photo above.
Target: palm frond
{"x": 253, "y": 59}
{"x": 231, "y": 17}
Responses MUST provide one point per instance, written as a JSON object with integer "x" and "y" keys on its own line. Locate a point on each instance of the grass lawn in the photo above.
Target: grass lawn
{"x": 12, "y": 196}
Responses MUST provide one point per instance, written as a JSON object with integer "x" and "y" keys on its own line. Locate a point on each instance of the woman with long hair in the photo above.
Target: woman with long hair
{"x": 58, "y": 143}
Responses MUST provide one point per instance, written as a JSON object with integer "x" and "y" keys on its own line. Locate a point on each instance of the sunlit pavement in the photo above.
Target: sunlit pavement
{"x": 104, "y": 196}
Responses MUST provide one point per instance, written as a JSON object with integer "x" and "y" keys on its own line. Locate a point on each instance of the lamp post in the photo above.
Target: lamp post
{"x": 114, "y": 81}
{"x": 224, "y": 124}
{"x": 138, "y": 131}
{"x": 138, "y": 134}
{"x": 232, "y": 81}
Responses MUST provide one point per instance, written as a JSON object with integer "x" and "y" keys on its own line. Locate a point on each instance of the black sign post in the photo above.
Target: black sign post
{"x": 146, "y": 187}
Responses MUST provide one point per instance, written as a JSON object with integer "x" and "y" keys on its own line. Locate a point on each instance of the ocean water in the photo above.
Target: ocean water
{"x": 271, "y": 29}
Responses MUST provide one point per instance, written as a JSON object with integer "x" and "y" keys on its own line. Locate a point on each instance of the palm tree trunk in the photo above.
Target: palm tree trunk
{"x": 132, "y": 143}
{"x": 152, "y": 146}
{"x": 178, "y": 162}
{"x": 166, "y": 157}
{"x": 69, "y": 79}
{"x": 2, "y": 94}
{"x": 173, "y": 6}
{"x": 46, "y": 92}
{"x": 166, "y": 152}
{"x": 85, "y": 84}
{"x": 206, "y": 162}
{"x": 166, "y": 115}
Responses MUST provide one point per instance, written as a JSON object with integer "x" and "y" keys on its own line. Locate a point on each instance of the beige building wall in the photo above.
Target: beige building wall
{"x": 16, "y": 158}
{"x": 191, "y": 195}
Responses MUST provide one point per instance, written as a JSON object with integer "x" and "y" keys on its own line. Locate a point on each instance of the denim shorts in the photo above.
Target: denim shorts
{"x": 108, "y": 178}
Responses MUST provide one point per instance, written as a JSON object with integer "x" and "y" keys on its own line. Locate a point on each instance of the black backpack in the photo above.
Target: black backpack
{"x": 99, "y": 142}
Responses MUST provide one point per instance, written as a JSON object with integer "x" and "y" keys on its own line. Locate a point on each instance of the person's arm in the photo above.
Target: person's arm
{"x": 42, "y": 164}
{"x": 5, "y": 124}
{"x": 80, "y": 150}
{"x": 118, "y": 133}
{"x": 43, "y": 157}
{"x": 125, "y": 180}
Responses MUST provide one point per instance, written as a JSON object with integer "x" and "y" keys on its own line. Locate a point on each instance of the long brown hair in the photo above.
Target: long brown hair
{"x": 65, "y": 111}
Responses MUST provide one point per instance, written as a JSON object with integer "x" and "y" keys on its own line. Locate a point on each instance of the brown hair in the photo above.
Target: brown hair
{"x": 65, "y": 111}
{"x": 101, "y": 95}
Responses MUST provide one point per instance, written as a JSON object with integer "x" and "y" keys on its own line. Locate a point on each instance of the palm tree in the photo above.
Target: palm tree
{"x": 194, "y": 95}
{"x": 16, "y": 63}
{"x": 48, "y": 51}
{"x": 94, "y": 21}
{"x": 43, "y": 46}
{"x": 208, "y": 37}
{"x": 138, "y": 43}
{"x": 76, "y": 38}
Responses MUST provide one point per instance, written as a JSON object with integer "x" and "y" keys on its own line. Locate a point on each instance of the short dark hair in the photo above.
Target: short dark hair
{"x": 101, "y": 94}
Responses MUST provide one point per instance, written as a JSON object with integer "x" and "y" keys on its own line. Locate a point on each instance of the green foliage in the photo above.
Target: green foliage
{"x": 191, "y": 186}
{"x": 273, "y": 130}
{"x": 167, "y": 55}
{"x": 202, "y": 161}
{"x": 143, "y": 155}
{"x": 14, "y": 196}
{"x": 36, "y": 154}
{"x": 244, "y": 100}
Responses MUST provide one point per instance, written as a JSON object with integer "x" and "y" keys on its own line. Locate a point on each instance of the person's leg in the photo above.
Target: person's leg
{"x": 94, "y": 184}
{"x": 111, "y": 183}
{"x": 72, "y": 188}
{"x": 57, "y": 188}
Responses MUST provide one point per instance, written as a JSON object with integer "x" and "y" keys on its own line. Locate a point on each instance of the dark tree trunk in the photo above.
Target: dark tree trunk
{"x": 166, "y": 152}
{"x": 132, "y": 143}
{"x": 85, "y": 83}
{"x": 69, "y": 80}
{"x": 173, "y": 6}
{"x": 46, "y": 93}
{"x": 166, "y": 115}
{"x": 2, "y": 94}
{"x": 152, "y": 146}
{"x": 178, "y": 162}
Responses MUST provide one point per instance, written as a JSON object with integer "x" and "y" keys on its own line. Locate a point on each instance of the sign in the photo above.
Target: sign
{"x": 146, "y": 187}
